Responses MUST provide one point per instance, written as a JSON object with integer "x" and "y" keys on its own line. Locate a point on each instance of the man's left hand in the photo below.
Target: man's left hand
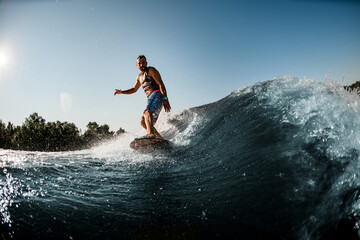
{"x": 167, "y": 106}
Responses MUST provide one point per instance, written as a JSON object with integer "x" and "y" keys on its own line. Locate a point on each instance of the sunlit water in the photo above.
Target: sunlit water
{"x": 278, "y": 160}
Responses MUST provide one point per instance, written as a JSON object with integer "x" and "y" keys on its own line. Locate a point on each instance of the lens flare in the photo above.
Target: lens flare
{"x": 65, "y": 101}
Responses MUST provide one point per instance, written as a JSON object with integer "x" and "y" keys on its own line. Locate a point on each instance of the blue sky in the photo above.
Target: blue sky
{"x": 64, "y": 58}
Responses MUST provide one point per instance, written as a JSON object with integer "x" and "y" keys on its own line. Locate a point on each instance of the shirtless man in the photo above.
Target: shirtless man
{"x": 149, "y": 78}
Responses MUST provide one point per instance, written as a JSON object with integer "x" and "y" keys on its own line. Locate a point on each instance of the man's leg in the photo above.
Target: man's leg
{"x": 143, "y": 122}
{"x": 157, "y": 134}
{"x": 147, "y": 123}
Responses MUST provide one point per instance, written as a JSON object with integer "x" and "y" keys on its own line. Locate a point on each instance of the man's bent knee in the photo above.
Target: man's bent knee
{"x": 147, "y": 112}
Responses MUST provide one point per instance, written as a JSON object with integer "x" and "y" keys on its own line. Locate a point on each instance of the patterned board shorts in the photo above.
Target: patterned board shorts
{"x": 154, "y": 104}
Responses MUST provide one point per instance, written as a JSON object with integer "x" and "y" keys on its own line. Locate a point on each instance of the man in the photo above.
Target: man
{"x": 149, "y": 78}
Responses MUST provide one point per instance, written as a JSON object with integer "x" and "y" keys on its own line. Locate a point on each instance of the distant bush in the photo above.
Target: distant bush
{"x": 38, "y": 135}
{"x": 354, "y": 87}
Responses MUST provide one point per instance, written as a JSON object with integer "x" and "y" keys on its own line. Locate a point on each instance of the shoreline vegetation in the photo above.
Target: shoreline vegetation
{"x": 353, "y": 87}
{"x": 36, "y": 134}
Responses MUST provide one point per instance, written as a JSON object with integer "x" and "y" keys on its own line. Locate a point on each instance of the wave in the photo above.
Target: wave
{"x": 279, "y": 159}
{"x": 290, "y": 145}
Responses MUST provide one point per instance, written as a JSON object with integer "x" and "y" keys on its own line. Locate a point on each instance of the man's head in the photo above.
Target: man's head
{"x": 141, "y": 63}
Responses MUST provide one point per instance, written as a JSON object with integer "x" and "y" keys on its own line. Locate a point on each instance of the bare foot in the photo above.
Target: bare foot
{"x": 150, "y": 135}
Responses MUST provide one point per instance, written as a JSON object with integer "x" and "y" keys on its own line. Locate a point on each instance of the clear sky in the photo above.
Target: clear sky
{"x": 64, "y": 58}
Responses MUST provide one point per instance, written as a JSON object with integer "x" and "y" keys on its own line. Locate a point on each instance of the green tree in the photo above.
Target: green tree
{"x": 120, "y": 131}
{"x": 32, "y": 135}
{"x": 62, "y": 136}
{"x": 90, "y": 134}
{"x": 96, "y": 133}
{"x": 354, "y": 86}
{"x": 3, "y": 135}
{"x": 16, "y": 137}
{"x": 11, "y": 132}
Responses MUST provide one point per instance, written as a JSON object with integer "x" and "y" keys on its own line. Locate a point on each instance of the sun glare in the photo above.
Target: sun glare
{"x": 5, "y": 63}
{"x": 3, "y": 59}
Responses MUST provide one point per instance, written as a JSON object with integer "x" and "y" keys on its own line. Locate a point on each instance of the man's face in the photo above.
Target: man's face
{"x": 141, "y": 64}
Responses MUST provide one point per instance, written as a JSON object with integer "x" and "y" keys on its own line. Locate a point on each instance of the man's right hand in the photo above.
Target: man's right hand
{"x": 117, "y": 91}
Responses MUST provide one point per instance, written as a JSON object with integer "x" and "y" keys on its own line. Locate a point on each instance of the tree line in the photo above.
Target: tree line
{"x": 36, "y": 134}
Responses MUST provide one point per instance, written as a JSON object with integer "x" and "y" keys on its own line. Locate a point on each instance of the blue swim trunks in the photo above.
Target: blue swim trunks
{"x": 154, "y": 104}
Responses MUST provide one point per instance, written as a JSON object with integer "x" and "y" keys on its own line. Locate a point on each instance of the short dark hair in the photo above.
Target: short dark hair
{"x": 141, "y": 56}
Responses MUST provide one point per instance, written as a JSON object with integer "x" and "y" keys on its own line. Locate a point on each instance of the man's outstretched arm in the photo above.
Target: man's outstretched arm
{"x": 129, "y": 91}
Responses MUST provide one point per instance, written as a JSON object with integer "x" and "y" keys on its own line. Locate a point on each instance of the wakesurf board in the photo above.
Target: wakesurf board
{"x": 145, "y": 143}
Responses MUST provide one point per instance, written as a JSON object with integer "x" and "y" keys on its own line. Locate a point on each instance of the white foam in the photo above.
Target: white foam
{"x": 180, "y": 127}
